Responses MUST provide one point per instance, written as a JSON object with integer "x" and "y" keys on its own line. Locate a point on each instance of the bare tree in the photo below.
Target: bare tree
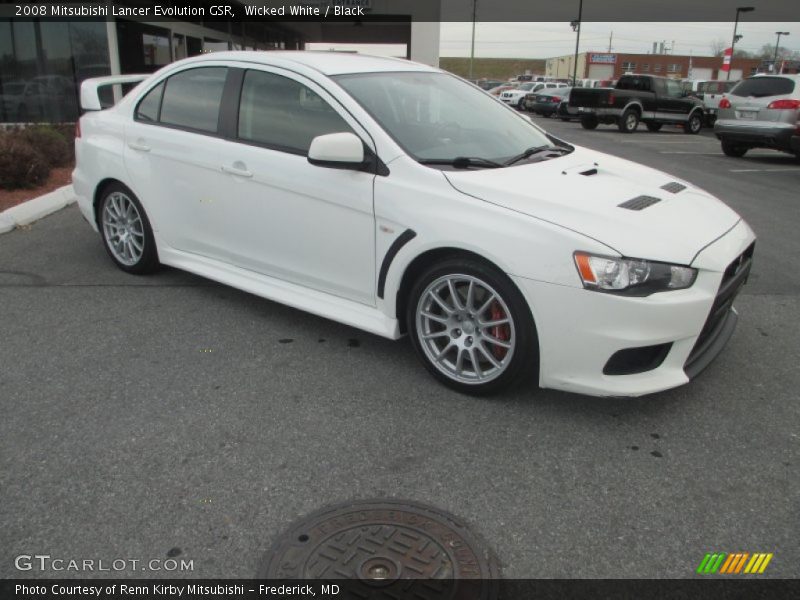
{"x": 718, "y": 47}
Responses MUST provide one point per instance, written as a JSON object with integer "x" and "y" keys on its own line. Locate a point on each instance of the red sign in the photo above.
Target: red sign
{"x": 726, "y": 59}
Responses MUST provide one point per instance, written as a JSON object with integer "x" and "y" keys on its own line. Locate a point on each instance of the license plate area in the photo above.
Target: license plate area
{"x": 748, "y": 115}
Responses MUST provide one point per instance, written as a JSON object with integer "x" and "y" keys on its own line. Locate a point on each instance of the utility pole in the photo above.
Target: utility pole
{"x": 576, "y": 26}
{"x": 472, "y": 49}
{"x": 610, "y": 39}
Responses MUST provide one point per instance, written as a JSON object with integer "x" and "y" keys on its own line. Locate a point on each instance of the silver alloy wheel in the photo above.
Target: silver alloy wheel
{"x": 123, "y": 228}
{"x": 465, "y": 329}
{"x": 694, "y": 124}
{"x": 631, "y": 121}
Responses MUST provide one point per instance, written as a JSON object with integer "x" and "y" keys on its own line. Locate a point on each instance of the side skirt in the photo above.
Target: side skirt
{"x": 315, "y": 302}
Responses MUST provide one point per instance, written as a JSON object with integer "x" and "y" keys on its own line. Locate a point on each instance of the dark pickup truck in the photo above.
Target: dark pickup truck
{"x": 655, "y": 101}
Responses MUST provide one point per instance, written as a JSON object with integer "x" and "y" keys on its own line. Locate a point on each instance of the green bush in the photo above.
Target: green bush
{"x": 50, "y": 143}
{"x": 21, "y": 164}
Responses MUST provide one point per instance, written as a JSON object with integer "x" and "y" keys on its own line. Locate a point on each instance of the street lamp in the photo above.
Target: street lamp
{"x": 472, "y": 48}
{"x": 576, "y": 27}
{"x": 777, "y": 44}
{"x": 736, "y": 38}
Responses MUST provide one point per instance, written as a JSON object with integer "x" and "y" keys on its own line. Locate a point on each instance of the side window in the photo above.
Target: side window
{"x": 149, "y": 105}
{"x": 282, "y": 113}
{"x": 674, "y": 88}
{"x": 192, "y": 98}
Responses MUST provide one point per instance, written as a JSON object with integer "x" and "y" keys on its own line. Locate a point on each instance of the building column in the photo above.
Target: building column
{"x": 113, "y": 55}
{"x": 425, "y": 43}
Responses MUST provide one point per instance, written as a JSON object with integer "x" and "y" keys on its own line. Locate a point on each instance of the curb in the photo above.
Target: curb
{"x": 33, "y": 210}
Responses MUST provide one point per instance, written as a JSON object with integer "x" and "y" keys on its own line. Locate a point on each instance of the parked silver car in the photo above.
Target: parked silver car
{"x": 761, "y": 112}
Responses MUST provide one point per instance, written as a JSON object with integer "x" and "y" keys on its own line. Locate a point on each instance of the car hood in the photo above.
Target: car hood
{"x": 582, "y": 192}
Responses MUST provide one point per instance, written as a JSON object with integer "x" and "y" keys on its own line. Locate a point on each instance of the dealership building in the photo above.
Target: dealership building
{"x": 610, "y": 65}
{"x": 42, "y": 62}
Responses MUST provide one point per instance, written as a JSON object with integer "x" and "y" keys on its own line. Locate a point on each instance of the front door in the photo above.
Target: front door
{"x": 285, "y": 217}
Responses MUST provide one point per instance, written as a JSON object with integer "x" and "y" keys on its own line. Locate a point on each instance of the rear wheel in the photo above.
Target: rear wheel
{"x": 471, "y": 327}
{"x": 694, "y": 124}
{"x": 589, "y": 122}
{"x": 126, "y": 231}
{"x": 734, "y": 150}
{"x": 629, "y": 121}
{"x": 653, "y": 126}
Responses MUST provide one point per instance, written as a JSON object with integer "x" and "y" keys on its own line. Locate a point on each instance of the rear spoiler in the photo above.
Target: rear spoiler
{"x": 90, "y": 99}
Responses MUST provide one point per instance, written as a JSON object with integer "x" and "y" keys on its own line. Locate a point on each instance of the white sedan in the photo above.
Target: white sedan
{"x": 397, "y": 198}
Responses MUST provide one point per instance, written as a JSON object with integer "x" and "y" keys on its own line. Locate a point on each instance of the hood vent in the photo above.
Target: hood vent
{"x": 589, "y": 172}
{"x": 674, "y": 187}
{"x": 639, "y": 203}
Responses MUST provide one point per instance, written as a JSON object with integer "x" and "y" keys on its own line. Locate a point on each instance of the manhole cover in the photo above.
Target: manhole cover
{"x": 390, "y": 546}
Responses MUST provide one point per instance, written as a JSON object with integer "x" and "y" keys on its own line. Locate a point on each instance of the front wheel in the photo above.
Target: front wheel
{"x": 694, "y": 124}
{"x": 471, "y": 327}
{"x": 126, "y": 231}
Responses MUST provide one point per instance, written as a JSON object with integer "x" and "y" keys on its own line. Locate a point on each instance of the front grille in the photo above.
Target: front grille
{"x": 733, "y": 279}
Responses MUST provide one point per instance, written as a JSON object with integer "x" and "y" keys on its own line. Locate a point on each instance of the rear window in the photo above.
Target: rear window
{"x": 640, "y": 84}
{"x": 764, "y": 86}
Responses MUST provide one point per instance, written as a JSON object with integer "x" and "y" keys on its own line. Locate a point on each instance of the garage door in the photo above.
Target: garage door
{"x": 601, "y": 71}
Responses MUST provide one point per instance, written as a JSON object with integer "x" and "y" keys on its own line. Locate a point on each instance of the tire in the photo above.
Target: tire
{"x": 589, "y": 122}
{"x": 653, "y": 127}
{"x": 734, "y": 150}
{"x": 520, "y": 104}
{"x": 126, "y": 231}
{"x": 503, "y": 353}
{"x": 629, "y": 121}
{"x": 694, "y": 124}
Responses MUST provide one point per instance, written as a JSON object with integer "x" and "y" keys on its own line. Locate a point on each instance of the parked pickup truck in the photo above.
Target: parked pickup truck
{"x": 655, "y": 101}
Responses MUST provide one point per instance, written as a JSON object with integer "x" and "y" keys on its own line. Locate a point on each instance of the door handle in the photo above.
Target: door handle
{"x": 138, "y": 146}
{"x": 236, "y": 172}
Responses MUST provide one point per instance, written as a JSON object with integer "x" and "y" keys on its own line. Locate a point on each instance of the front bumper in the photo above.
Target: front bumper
{"x": 580, "y": 330}
{"x": 764, "y": 134}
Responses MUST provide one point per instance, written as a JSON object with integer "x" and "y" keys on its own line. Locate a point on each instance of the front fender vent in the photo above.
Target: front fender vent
{"x": 639, "y": 203}
{"x": 673, "y": 187}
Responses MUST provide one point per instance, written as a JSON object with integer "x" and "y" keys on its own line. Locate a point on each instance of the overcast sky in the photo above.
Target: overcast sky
{"x": 542, "y": 40}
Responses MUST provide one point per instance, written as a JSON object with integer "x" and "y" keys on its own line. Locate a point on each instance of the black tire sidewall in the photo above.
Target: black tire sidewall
{"x": 525, "y": 362}
{"x": 148, "y": 262}
{"x": 733, "y": 150}
{"x": 693, "y": 118}
{"x": 623, "y": 121}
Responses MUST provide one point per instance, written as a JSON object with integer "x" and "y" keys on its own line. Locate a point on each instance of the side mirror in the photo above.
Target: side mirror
{"x": 337, "y": 151}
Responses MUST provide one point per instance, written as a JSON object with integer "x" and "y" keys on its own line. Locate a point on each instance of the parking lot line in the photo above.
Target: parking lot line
{"x": 689, "y": 152}
{"x": 764, "y": 170}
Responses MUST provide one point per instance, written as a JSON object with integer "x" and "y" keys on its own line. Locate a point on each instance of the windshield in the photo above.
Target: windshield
{"x": 438, "y": 116}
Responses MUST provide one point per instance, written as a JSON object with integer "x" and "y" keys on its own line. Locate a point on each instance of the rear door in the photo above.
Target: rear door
{"x": 672, "y": 104}
{"x": 173, "y": 152}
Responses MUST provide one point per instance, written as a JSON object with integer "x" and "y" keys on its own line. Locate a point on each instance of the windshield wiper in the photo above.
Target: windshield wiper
{"x": 463, "y": 162}
{"x": 536, "y": 150}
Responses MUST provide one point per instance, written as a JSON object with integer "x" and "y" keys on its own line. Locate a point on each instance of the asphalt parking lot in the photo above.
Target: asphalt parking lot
{"x": 168, "y": 415}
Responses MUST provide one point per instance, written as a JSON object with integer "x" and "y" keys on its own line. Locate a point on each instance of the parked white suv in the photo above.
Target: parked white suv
{"x": 398, "y": 198}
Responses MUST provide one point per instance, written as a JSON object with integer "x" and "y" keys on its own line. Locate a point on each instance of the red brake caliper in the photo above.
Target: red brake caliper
{"x": 501, "y": 332}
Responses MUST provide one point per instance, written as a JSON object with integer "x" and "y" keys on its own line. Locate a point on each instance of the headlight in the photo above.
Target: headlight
{"x": 631, "y": 276}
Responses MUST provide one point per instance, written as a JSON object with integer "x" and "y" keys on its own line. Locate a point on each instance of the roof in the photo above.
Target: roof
{"x": 328, "y": 63}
